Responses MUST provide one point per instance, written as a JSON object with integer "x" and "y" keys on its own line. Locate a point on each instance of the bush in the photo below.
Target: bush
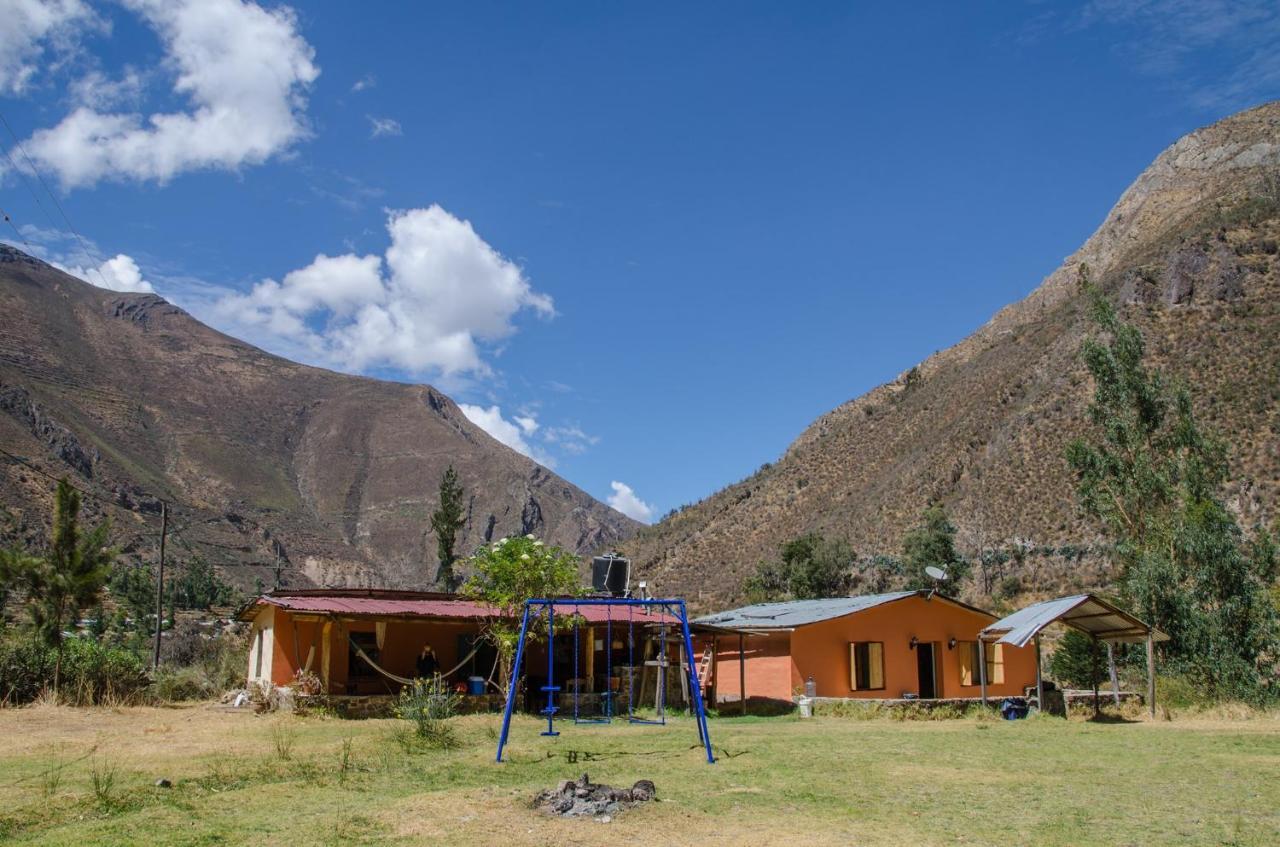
{"x": 92, "y": 673}
{"x": 198, "y": 666}
{"x": 429, "y": 703}
{"x": 179, "y": 685}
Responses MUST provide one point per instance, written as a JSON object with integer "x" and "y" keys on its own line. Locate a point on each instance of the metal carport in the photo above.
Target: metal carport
{"x": 1086, "y": 613}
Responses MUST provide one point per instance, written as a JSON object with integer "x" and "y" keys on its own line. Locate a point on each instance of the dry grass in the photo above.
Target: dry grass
{"x": 1204, "y": 780}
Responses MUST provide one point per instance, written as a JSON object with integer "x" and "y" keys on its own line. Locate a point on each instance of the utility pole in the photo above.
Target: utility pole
{"x": 164, "y": 529}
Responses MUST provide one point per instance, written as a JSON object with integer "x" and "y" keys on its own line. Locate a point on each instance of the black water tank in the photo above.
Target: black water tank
{"x": 610, "y": 575}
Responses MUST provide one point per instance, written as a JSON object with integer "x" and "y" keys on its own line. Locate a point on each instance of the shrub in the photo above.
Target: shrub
{"x": 92, "y": 672}
{"x": 178, "y": 685}
{"x": 429, "y": 703}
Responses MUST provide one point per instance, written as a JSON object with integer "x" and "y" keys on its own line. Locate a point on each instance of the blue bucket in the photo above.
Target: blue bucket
{"x": 475, "y": 685}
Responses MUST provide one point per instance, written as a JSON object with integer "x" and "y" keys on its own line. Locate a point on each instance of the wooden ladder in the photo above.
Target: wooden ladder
{"x": 705, "y": 668}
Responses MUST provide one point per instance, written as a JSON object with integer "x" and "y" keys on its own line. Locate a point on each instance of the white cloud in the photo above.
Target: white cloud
{"x": 244, "y": 70}
{"x": 80, "y": 258}
{"x": 98, "y": 91}
{"x": 624, "y": 499}
{"x": 570, "y": 438}
{"x": 33, "y": 29}
{"x": 510, "y": 433}
{"x": 437, "y": 295}
{"x": 380, "y": 127}
{"x": 119, "y": 274}
{"x": 364, "y": 82}
{"x": 1224, "y": 54}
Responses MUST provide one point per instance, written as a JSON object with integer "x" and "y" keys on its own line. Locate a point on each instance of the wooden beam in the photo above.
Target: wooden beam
{"x": 982, "y": 669}
{"x": 1151, "y": 674}
{"x": 1039, "y": 677}
{"x": 1111, "y": 671}
{"x": 1093, "y": 661}
{"x": 742, "y": 672}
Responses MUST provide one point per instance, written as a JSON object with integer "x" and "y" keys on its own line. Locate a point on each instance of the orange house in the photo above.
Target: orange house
{"x": 366, "y": 642}
{"x": 879, "y": 647}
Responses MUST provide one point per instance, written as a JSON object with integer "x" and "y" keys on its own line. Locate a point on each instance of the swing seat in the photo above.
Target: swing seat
{"x": 549, "y": 688}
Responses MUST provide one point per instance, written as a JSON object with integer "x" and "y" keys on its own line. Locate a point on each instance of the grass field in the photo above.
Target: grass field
{"x": 86, "y": 776}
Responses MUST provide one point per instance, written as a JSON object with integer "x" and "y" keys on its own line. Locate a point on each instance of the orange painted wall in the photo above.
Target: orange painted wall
{"x": 769, "y": 669}
{"x": 821, "y": 650}
{"x": 778, "y": 664}
{"x": 401, "y": 646}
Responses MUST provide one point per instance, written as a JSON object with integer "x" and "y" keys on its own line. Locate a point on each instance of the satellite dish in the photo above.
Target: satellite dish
{"x": 936, "y": 572}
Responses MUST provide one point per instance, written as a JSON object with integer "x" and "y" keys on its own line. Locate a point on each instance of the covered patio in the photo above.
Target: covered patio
{"x": 366, "y": 643}
{"x": 1086, "y": 613}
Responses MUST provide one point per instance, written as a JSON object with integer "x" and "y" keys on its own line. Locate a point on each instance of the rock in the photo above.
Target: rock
{"x": 643, "y": 790}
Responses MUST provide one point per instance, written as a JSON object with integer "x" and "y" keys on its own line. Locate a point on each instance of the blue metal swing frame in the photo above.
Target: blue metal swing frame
{"x": 533, "y": 609}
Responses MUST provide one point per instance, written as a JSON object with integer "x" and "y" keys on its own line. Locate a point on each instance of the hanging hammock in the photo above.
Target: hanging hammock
{"x": 400, "y": 679}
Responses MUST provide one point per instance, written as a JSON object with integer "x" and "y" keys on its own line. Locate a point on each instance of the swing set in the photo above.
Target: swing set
{"x": 671, "y": 610}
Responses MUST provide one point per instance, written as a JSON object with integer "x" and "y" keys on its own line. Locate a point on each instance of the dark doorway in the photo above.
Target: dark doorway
{"x": 924, "y": 662}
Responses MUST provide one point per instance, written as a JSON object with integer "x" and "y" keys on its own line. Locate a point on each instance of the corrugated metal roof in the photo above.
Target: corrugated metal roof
{"x": 1081, "y": 611}
{"x": 796, "y": 612}
{"x": 459, "y": 609}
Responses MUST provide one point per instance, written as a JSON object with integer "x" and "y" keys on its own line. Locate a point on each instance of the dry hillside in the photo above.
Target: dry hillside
{"x": 1190, "y": 250}
{"x": 262, "y": 459}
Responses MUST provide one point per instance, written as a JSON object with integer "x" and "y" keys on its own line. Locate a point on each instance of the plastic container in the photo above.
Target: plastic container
{"x": 810, "y": 688}
{"x": 806, "y": 706}
{"x": 475, "y": 685}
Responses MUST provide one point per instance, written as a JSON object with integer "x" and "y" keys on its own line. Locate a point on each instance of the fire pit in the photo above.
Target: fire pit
{"x": 581, "y": 798}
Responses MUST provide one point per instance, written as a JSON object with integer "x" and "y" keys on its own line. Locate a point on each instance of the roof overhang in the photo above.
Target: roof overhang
{"x": 1085, "y": 613}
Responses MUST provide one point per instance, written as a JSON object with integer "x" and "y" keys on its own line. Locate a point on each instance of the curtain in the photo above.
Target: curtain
{"x": 380, "y": 629}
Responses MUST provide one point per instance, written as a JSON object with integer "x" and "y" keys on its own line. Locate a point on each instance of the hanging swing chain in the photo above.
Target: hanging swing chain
{"x": 577, "y": 677}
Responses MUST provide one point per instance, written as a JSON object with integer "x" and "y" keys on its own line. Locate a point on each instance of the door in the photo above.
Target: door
{"x": 924, "y": 662}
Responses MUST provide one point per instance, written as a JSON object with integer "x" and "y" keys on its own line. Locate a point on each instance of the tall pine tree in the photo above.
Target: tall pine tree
{"x": 70, "y": 576}
{"x": 447, "y": 519}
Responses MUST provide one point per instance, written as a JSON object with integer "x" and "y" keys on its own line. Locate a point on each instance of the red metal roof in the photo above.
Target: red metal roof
{"x": 404, "y": 605}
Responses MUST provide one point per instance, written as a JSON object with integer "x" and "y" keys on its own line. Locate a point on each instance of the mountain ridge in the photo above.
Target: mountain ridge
{"x": 1184, "y": 254}
{"x": 262, "y": 458}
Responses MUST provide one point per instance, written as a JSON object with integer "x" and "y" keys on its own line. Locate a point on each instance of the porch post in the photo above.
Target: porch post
{"x": 1039, "y": 677}
{"x": 742, "y": 673}
{"x": 982, "y": 667}
{"x": 1093, "y": 661}
{"x": 326, "y": 653}
{"x": 1151, "y": 673}
{"x": 1111, "y": 671}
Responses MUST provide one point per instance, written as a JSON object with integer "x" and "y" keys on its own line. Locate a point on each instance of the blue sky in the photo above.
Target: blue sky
{"x": 645, "y": 243}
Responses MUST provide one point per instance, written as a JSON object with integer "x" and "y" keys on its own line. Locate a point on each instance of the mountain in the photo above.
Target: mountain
{"x": 263, "y": 461}
{"x": 1190, "y": 251}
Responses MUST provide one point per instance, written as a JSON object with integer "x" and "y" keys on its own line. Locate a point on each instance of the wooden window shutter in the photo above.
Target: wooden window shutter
{"x": 875, "y": 662}
{"x": 967, "y": 662}
{"x": 995, "y": 663}
{"x": 853, "y": 665}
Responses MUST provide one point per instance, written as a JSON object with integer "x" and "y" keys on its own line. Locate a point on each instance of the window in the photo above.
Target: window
{"x": 995, "y": 663}
{"x": 866, "y": 665}
{"x": 969, "y": 663}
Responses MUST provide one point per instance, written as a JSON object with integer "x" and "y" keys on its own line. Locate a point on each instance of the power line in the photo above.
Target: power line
{"x": 91, "y": 255}
{"x": 17, "y": 231}
{"x": 96, "y": 496}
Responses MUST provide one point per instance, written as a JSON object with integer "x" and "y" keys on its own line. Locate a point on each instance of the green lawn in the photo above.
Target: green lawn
{"x": 244, "y": 779}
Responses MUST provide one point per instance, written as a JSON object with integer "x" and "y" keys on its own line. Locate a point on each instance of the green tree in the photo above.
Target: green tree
{"x": 1152, "y": 477}
{"x": 807, "y": 568}
{"x": 1076, "y": 662}
{"x": 15, "y": 569}
{"x": 507, "y": 573}
{"x": 70, "y": 576}
{"x": 445, "y": 522}
{"x": 932, "y": 542}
